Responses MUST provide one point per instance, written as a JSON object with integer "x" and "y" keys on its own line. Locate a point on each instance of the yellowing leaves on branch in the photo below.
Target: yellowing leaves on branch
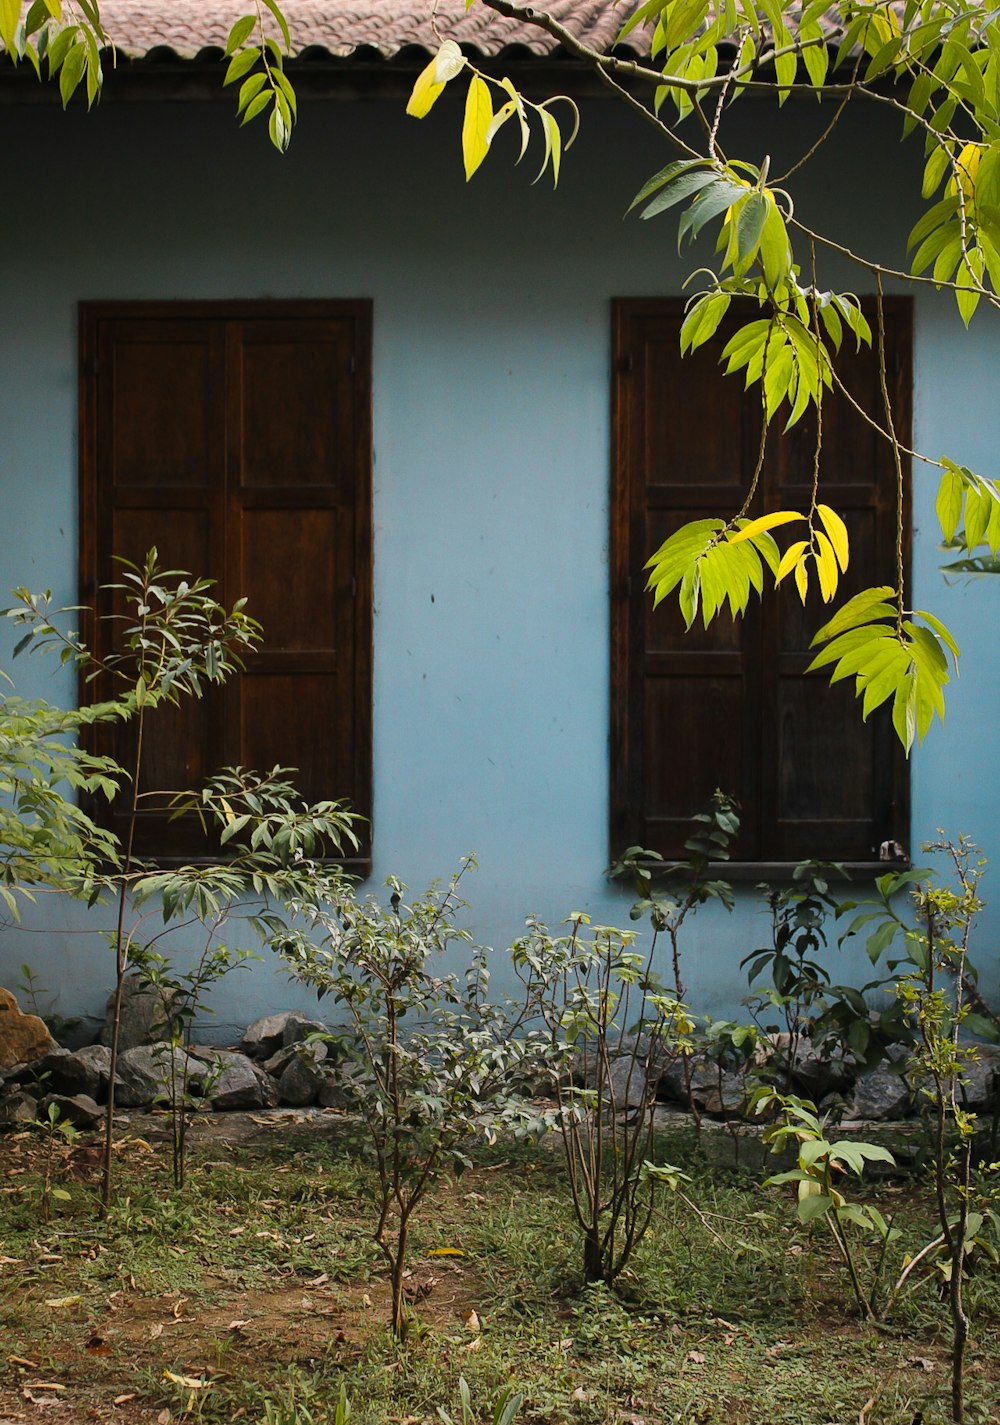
{"x": 480, "y": 123}
{"x": 936, "y": 64}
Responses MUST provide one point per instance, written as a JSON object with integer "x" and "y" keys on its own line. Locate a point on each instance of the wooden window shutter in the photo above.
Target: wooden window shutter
{"x": 729, "y": 707}
{"x": 237, "y": 440}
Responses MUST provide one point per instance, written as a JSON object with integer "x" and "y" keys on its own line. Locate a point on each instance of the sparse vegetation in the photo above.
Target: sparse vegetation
{"x": 260, "y": 1295}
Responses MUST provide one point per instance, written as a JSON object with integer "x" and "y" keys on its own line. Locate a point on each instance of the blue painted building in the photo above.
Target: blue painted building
{"x": 491, "y": 437}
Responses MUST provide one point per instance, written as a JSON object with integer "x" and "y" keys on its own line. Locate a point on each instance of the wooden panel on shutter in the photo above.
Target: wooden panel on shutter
{"x": 728, "y": 706}
{"x": 237, "y": 439}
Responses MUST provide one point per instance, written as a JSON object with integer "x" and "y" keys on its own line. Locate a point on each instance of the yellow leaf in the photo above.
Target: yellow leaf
{"x": 826, "y": 566}
{"x": 424, "y": 93}
{"x": 446, "y": 1252}
{"x": 766, "y": 522}
{"x": 518, "y": 103}
{"x": 60, "y": 1301}
{"x": 188, "y": 1382}
{"x": 837, "y": 531}
{"x": 499, "y": 119}
{"x": 802, "y": 579}
{"x": 790, "y": 559}
{"x": 431, "y": 80}
{"x": 476, "y": 126}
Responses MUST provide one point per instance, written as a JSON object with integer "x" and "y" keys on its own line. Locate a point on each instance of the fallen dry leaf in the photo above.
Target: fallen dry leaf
{"x": 61, "y": 1301}
{"x": 123, "y": 1399}
{"x": 23, "y": 1361}
{"x": 155, "y": 1330}
{"x": 474, "y": 1345}
{"x": 163, "y": 1418}
{"x": 923, "y": 1362}
{"x": 188, "y": 1382}
{"x": 239, "y": 1325}
{"x": 695, "y": 1357}
{"x": 472, "y": 1322}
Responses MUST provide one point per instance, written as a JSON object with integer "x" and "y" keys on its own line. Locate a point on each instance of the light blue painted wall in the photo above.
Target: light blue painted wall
{"x": 491, "y": 447}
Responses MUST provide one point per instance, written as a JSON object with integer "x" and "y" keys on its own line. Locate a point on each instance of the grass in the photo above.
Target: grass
{"x": 257, "y": 1293}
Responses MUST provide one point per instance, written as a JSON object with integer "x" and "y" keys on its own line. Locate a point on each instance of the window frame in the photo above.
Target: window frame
{"x": 359, "y": 313}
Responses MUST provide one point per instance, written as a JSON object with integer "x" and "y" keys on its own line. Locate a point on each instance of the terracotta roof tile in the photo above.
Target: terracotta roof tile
{"x": 341, "y": 27}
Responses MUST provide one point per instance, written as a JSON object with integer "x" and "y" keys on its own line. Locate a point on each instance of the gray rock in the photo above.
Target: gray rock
{"x": 298, "y": 1026}
{"x": 235, "y": 1082}
{"x": 145, "y": 1014}
{"x": 981, "y": 1078}
{"x": 266, "y": 1036}
{"x": 144, "y": 1074}
{"x": 817, "y": 1075}
{"x": 78, "y": 1109}
{"x": 881, "y": 1094}
{"x": 37, "y": 1069}
{"x": 342, "y": 1086}
{"x": 712, "y": 1092}
{"x": 278, "y": 1063}
{"x": 301, "y": 1081}
{"x": 18, "y": 1107}
{"x": 80, "y": 1071}
{"x": 632, "y": 1063}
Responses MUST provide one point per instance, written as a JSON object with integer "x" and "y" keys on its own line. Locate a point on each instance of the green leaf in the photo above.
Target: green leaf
{"x": 814, "y": 1207}
{"x": 282, "y": 23}
{"x": 241, "y": 64}
{"x": 249, "y": 90}
{"x": 702, "y": 320}
{"x": 678, "y": 189}
{"x": 72, "y": 71}
{"x": 969, "y": 280}
{"x": 749, "y": 227}
{"x": 240, "y": 32}
{"x": 664, "y": 176}
{"x": 862, "y": 609}
{"x": 258, "y": 105}
{"x": 948, "y": 506}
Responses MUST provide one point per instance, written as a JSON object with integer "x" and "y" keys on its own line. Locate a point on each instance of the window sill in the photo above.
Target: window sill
{"x": 781, "y": 872}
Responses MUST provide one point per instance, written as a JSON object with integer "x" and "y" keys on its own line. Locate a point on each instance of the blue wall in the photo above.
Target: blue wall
{"x": 491, "y": 457}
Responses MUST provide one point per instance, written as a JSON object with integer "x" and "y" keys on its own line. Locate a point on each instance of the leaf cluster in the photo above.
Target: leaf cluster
{"x": 256, "y": 62}
{"x": 480, "y": 123}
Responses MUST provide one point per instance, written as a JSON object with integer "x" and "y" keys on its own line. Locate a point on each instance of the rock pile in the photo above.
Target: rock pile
{"x": 888, "y": 1092}
{"x": 285, "y": 1058}
{"x": 290, "y": 1059}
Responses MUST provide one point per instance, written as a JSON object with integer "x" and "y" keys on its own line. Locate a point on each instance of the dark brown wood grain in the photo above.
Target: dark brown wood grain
{"x": 236, "y": 438}
{"x": 729, "y": 706}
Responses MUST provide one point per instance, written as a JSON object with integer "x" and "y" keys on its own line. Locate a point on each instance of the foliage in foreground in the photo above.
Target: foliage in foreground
{"x": 935, "y": 63}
